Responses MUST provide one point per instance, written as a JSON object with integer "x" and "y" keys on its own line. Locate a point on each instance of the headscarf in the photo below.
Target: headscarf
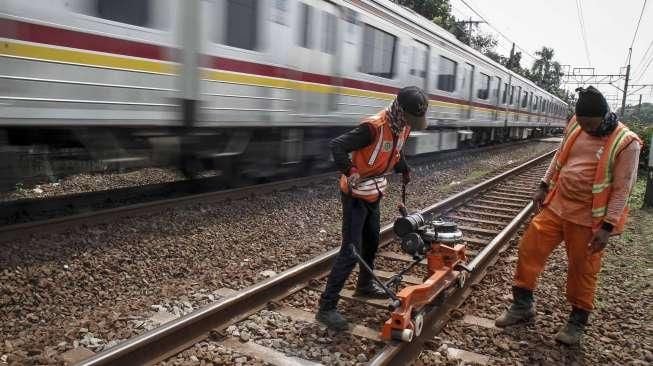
{"x": 397, "y": 117}
{"x": 591, "y": 103}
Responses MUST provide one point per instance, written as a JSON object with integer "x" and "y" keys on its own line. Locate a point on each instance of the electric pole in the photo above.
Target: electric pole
{"x": 623, "y": 101}
{"x": 469, "y": 31}
{"x": 512, "y": 54}
{"x": 648, "y": 196}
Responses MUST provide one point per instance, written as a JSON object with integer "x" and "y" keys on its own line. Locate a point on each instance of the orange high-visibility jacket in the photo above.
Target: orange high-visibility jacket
{"x": 602, "y": 187}
{"x": 376, "y": 159}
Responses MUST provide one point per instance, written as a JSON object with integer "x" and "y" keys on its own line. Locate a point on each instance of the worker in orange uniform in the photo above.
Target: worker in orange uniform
{"x": 582, "y": 200}
{"x": 376, "y": 148}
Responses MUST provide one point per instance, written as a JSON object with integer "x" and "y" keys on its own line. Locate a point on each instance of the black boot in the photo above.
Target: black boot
{"x": 521, "y": 310}
{"x": 573, "y": 331}
{"x": 328, "y": 315}
{"x": 370, "y": 289}
{"x": 367, "y": 287}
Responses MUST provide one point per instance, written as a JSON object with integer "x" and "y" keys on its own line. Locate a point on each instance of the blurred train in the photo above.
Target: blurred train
{"x": 250, "y": 88}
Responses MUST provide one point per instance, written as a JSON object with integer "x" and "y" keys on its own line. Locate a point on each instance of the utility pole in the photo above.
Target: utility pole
{"x": 464, "y": 29}
{"x": 512, "y": 54}
{"x": 648, "y": 196}
{"x": 623, "y": 101}
{"x": 639, "y": 105}
{"x": 470, "y": 29}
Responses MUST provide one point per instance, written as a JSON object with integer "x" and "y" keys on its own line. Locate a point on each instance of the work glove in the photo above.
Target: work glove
{"x": 405, "y": 177}
{"x": 353, "y": 178}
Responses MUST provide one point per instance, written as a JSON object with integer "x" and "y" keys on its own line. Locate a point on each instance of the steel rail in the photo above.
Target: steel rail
{"x": 173, "y": 337}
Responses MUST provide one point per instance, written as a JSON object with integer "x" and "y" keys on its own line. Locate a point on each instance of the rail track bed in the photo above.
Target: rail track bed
{"x": 99, "y": 284}
{"x": 32, "y": 215}
{"x": 273, "y": 321}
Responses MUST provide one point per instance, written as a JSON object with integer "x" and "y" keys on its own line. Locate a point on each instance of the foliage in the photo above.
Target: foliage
{"x": 430, "y": 9}
{"x": 643, "y": 128}
{"x": 643, "y": 113}
{"x": 545, "y": 72}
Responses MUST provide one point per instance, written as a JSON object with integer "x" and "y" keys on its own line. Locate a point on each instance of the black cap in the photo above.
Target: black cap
{"x": 414, "y": 102}
{"x": 591, "y": 103}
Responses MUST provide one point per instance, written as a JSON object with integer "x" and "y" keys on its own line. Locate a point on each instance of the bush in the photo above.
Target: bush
{"x": 644, "y": 130}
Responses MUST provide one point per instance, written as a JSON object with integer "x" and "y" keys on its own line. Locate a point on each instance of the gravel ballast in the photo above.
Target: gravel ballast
{"x": 92, "y": 182}
{"x": 95, "y": 286}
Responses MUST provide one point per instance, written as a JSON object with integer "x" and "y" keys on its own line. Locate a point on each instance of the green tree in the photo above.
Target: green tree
{"x": 483, "y": 43}
{"x": 640, "y": 120}
{"x": 643, "y": 113}
{"x": 434, "y": 10}
{"x": 546, "y": 72}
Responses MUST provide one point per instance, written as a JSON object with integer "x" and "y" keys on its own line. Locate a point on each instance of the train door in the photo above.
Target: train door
{"x": 467, "y": 90}
{"x": 313, "y": 57}
{"x": 418, "y": 56}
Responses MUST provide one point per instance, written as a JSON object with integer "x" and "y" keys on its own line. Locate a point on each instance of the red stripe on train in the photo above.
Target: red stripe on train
{"x": 36, "y": 33}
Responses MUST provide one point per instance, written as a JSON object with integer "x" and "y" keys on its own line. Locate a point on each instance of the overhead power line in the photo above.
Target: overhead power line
{"x": 641, "y": 75}
{"x": 638, "y": 21}
{"x": 641, "y": 62}
{"x": 496, "y": 29}
{"x": 581, "y": 24}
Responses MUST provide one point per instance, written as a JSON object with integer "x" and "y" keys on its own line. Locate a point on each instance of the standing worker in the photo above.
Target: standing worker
{"x": 582, "y": 200}
{"x": 375, "y": 147}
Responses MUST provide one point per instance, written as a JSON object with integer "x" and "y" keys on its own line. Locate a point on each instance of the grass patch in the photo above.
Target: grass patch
{"x": 473, "y": 176}
{"x": 637, "y": 194}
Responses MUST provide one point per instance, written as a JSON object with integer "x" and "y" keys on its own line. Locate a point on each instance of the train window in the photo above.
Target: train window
{"x": 512, "y": 95}
{"x": 419, "y": 59}
{"x": 305, "y": 22}
{"x": 134, "y": 12}
{"x": 537, "y": 103}
{"x": 518, "y": 99}
{"x": 378, "y": 52}
{"x": 483, "y": 91}
{"x": 505, "y": 93}
{"x": 447, "y": 70}
{"x": 530, "y": 99}
{"x": 279, "y": 11}
{"x": 497, "y": 91}
{"x": 242, "y": 24}
{"x": 329, "y": 34}
{"x": 524, "y": 101}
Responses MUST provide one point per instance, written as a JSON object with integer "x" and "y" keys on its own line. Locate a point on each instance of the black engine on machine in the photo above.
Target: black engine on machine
{"x": 419, "y": 232}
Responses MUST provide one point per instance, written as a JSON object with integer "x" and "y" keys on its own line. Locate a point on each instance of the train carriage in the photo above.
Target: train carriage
{"x": 249, "y": 86}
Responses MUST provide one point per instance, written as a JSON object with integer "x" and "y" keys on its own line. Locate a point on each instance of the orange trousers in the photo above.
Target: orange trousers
{"x": 545, "y": 232}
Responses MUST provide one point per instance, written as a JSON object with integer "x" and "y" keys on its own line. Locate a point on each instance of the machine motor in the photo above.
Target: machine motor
{"x": 419, "y": 232}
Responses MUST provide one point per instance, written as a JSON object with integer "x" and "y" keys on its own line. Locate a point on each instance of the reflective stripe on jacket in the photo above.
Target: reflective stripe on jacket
{"x": 602, "y": 186}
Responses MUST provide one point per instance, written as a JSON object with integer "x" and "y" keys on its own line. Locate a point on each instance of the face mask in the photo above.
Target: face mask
{"x": 606, "y": 127}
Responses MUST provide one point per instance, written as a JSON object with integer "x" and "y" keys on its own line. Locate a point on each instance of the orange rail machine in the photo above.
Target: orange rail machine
{"x": 422, "y": 238}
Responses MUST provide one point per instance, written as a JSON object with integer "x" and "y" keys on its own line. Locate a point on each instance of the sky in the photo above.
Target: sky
{"x": 609, "y": 28}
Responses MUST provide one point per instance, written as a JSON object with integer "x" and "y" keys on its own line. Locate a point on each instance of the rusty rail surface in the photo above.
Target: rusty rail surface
{"x": 173, "y": 337}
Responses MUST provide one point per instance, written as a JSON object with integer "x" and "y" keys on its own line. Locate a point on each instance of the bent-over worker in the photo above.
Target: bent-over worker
{"x": 582, "y": 200}
{"x": 376, "y": 149}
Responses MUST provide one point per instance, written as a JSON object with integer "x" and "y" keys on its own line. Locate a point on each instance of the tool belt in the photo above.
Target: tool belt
{"x": 369, "y": 189}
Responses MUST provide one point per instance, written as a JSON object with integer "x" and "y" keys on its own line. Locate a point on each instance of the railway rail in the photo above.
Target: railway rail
{"x": 26, "y": 216}
{"x": 489, "y": 214}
